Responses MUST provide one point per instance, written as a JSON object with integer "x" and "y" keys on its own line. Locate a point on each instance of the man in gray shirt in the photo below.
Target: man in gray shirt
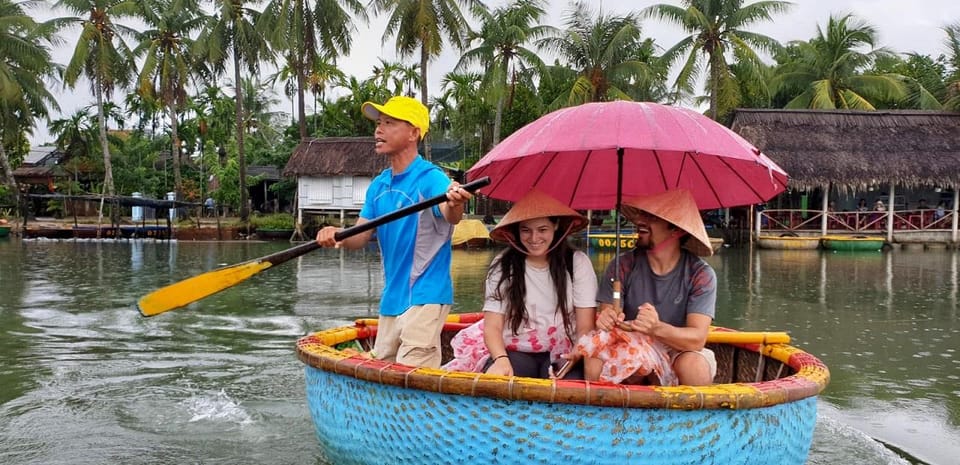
{"x": 669, "y": 292}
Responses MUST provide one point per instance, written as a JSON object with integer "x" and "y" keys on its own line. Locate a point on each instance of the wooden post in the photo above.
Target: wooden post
{"x": 893, "y": 204}
{"x": 758, "y": 217}
{"x": 826, "y": 203}
{"x": 956, "y": 199}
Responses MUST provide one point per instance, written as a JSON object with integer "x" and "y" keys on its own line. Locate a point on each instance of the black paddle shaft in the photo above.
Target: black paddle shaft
{"x": 301, "y": 249}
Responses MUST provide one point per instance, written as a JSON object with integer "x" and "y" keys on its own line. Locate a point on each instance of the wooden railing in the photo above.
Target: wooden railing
{"x": 856, "y": 221}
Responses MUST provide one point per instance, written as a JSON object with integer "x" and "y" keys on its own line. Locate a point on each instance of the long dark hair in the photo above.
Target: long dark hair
{"x": 512, "y": 287}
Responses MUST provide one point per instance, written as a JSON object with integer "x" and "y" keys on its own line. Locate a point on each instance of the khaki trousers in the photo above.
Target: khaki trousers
{"x": 413, "y": 337}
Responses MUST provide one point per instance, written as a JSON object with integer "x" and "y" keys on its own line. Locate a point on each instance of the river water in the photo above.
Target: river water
{"x": 84, "y": 379}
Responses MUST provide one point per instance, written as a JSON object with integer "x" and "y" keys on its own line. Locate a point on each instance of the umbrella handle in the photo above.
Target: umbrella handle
{"x": 617, "y": 298}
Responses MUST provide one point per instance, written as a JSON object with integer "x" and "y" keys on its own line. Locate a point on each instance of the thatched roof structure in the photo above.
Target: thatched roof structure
{"x": 856, "y": 149}
{"x": 268, "y": 173}
{"x": 335, "y": 156}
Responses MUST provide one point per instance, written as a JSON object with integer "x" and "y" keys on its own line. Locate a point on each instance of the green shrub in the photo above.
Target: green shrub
{"x": 272, "y": 221}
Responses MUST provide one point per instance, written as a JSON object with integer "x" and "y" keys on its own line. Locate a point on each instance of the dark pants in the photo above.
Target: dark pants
{"x": 536, "y": 365}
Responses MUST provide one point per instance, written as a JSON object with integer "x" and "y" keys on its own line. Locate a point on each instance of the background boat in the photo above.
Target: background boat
{"x": 469, "y": 233}
{"x": 788, "y": 242}
{"x": 853, "y": 243}
{"x": 608, "y": 241}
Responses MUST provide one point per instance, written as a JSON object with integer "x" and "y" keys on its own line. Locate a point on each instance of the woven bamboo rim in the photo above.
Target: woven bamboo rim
{"x": 811, "y": 377}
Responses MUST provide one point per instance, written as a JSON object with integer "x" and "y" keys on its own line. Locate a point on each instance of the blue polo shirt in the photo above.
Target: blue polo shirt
{"x": 415, "y": 249}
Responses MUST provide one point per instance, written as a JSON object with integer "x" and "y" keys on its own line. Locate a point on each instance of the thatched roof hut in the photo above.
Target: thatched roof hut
{"x": 856, "y": 149}
{"x": 335, "y": 156}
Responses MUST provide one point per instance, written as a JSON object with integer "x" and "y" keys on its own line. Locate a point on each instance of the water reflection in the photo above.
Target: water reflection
{"x": 343, "y": 284}
{"x": 84, "y": 379}
{"x": 879, "y": 320}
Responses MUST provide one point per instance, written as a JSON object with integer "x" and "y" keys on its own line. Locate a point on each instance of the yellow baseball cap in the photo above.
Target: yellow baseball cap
{"x": 402, "y": 108}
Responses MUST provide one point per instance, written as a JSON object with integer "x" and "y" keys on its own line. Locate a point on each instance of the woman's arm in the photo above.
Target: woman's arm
{"x": 586, "y": 318}
{"x": 493, "y": 338}
{"x": 585, "y": 310}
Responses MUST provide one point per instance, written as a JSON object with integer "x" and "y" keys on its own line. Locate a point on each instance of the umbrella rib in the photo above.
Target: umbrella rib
{"x": 545, "y": 168}
{"x": 496, "y": 182}
{"x": 703, "y": 174}
{"x": 749, "y": 185}
{"x": 663, "y": 176}
{"x": 759, "y": 197}
{"x": 580, "y": 174}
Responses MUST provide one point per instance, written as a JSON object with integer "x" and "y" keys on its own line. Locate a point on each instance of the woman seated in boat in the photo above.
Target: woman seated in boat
{"x": 540, "y": 294}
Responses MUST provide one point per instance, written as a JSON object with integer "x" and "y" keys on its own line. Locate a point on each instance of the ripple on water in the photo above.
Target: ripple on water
{"x": 835, "y": 442}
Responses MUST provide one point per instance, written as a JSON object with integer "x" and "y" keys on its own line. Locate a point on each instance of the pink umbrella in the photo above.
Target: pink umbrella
{"x": 592, "y": 155}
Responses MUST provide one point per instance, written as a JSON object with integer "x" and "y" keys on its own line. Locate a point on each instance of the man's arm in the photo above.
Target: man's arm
{"x": 325, "y": 237}
{"x": 693, "y": 336}
{"x": 457, "y": 197}
{"x": 608, "y": 317}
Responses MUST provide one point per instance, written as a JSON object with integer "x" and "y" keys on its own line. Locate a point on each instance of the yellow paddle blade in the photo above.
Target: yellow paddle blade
{"x": 748, "y": 337}
{"x": 193, "y": 289}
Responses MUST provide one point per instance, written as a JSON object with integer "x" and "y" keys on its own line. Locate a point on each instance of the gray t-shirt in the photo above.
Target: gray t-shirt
{"x": 691, "y": 287}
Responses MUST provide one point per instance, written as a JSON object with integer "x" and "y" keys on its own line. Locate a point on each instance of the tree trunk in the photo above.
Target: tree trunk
{"x": 714, "y": 83}
{"x": 498, "y": 119}
{"x": 104, "y": 146}
{"x": 108, "y": 189}
{"x": 241, "y": 159}
{"x": 175, "y": 137}
{"x": 8, "y": 175}
{"x": 423, "y": 95}
{"x": 301, "y": 106}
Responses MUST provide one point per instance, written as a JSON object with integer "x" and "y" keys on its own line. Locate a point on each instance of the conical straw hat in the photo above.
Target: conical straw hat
{"x": 536, "y": 204}
{"x": 678, "y": 208}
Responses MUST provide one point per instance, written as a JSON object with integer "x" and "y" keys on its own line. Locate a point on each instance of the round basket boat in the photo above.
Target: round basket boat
{"x": 762, "y": 409}
{"x": 788, "y": 242}
{"x": 853, "y": 243}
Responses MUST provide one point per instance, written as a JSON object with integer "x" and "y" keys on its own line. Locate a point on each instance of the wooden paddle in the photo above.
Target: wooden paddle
{"x": 204, "y": 285}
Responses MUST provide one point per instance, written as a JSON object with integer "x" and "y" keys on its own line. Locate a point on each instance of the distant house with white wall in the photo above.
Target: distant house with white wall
{"x": 333, "y": 174}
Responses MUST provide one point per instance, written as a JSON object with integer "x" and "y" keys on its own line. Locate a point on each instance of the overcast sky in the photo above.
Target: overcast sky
{"x": 904, "y": 26}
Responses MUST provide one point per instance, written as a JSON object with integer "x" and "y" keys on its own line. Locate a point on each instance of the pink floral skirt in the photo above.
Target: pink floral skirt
{"x": 627, "y": 354}
{"x": 470, "y": 352}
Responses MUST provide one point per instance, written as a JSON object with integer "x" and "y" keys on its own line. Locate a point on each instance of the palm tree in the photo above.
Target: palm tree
{"x": 306, "y": 33}
{"x": 503, "y": 36}
{"x": 102, "y": 56}
{"x": 387, "y": 74}
{"x": 165, "y": 46}
{"x": 231, "y": 34}
{"x": 465, "y": 107}
{"x": 74, "y": 134}
{"x": 827, "y": 71}
{"x": 923, "y": 78}
{"x": 953, "y": 81}
{"x": 423, "y": 25}
{"x": 24, "y": 65}
{"x": 612, "y": 60}
{"x": 717, "y": 28}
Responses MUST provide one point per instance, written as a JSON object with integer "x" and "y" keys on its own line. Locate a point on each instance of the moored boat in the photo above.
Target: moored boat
{"x": 762, "y": 409}
{"x": 4, "y": 230}
{"x": 853, "y": 243}
{"x": 608, "y": 241}
{"x": 470, "y": 234}
{"x": 716, "y": 243}
{"x": 788, "y": 242}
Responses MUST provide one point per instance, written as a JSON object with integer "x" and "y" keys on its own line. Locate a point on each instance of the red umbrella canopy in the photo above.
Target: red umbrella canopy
{"x": 572, "y": 155}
